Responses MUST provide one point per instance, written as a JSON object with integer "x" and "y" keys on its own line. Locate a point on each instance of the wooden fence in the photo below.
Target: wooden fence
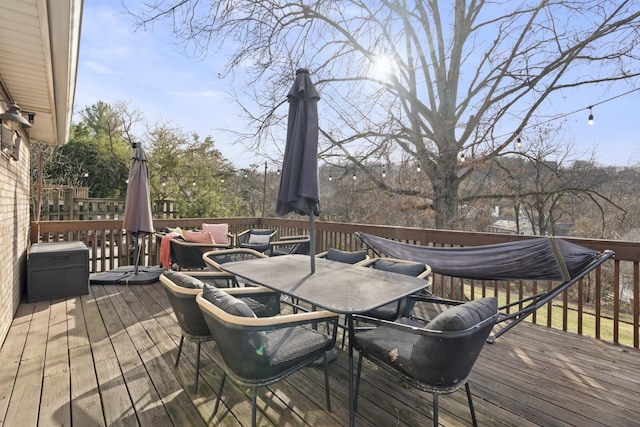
{"x": 605, "y": 304}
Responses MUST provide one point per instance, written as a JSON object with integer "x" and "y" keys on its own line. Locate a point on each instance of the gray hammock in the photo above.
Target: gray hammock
{"x": 544, "y": 258}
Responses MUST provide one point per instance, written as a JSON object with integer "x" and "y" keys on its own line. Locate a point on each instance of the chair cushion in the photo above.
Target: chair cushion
{"x": 198, "y": 236}
{"x": 259, "y": 239}
{"x": 465, "y": 315}
{"x": 219, "y": 232}
{"x": 226, "y": 302}
{"x": 413, "y": 269}
{"x": 346, "y": 257}
{"x": 183, "y": 280}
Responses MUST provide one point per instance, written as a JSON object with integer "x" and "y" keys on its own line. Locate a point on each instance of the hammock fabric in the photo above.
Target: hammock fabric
{"x": 533, "y": 259}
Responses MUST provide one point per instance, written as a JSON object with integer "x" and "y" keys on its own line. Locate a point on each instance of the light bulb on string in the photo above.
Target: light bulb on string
{"x": 354, "y": 175}
{"x": 590, "y": 122}
{"x": 519, "y": 143}
{"x": 384, "y": 172}
{"x": 330, "y": 177}
{"x": 418, "y": 168}
{"x": 462, "y": 159}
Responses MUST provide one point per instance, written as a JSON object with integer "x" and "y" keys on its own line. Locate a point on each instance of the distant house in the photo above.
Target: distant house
{"x": 39, "y": 46}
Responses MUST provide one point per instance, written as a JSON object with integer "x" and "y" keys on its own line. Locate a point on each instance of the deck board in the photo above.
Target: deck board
{"x": 108, "y": 358}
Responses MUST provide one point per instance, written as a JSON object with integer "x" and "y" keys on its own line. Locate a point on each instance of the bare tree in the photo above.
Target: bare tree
{"x": 425, "y": 78}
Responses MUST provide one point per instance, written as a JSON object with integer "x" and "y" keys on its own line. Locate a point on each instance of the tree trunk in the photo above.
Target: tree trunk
{"x": 445, "y": 188}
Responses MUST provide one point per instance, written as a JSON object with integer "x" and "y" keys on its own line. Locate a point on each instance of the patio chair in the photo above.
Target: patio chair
{"x": 182, "y": 289}
{"x": 259, "y": 352}
{"x": 344, "y": 256}
{"x": 402, "y": 307}
{"x": 187, "y": 255}
{"x": 214, "y": 259}
{"x": 256, "y": 239}
{"x": 436, "y": 357}
{"x": 291, "y": 245}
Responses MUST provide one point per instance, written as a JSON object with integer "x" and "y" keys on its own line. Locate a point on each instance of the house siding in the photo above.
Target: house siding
{"x": 14, "y": 232}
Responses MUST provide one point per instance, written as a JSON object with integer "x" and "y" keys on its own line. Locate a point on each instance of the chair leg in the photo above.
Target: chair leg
{"x": 473, "y": 411}
{"x": 435, "y": 409}
{"x": 179, "y": 350}
{"x": 197, "y": 365}
{"x": 224, "y": 377}
{"x": 254, "y": 404}
{"x": 357, "y": 387}
{"x": 326, "y": 380}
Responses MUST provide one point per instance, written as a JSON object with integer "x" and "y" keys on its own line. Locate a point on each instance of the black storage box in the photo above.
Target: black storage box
{"x": 57, "y": 270}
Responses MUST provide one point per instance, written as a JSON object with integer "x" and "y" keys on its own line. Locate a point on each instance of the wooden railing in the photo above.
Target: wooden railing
{"x": 605, "y": 304}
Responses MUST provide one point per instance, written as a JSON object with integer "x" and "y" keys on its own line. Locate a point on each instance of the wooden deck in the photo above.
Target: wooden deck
{"x": 107, "y": 359}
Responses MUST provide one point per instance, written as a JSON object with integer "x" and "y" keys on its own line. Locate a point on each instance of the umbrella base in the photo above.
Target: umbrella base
{"x": 125, "y": 275}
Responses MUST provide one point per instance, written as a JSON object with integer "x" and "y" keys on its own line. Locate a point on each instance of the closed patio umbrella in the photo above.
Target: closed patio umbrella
{"x": 299, "y": 179}
{"x": 137, "y": 221}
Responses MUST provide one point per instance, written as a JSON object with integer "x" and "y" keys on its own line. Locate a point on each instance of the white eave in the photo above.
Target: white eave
{"x": 39, "y": 44}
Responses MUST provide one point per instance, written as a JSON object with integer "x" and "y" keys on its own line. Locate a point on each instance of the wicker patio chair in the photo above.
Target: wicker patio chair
{"x": 256, "y": 239}
{"x": 259, "y": 352}
{"x": 436, "y": 357}
{"x": 182, "y": 288}
{"x": 291, "y": 245}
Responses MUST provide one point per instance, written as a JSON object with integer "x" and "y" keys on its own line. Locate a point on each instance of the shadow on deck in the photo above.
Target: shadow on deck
{"x": 107, "y": 358}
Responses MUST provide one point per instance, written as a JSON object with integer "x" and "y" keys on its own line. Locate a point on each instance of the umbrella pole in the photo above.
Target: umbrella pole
{"x": 137, "y": 260}
{"x": 312, "y": 241}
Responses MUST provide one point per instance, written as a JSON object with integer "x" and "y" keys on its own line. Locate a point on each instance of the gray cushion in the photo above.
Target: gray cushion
{"x": 413, "y": 269}
{"x": 346, "y": 257}
{"x": 183, "y": 280}
{"x": 465, "y": 315}
{"x": 226, "y": 302}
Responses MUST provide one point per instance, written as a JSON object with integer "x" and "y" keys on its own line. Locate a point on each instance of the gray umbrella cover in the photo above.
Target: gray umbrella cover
{"x": 137, "y": 209}
{"x": 299, "y": 180}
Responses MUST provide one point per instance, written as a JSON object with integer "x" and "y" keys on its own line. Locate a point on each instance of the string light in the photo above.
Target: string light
{"x": 590, "y": 122}
{"x": 462, "y": 159}
{"x": 519, "y": 143}
{"x": 354, "y": 175}
{"x": 330, "y": 177}
{"x": 418, "y": 168}
{"x": 384, "y": 172}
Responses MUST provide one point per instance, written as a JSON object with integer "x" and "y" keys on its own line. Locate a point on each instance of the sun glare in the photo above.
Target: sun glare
{"x": 382, "y": 67}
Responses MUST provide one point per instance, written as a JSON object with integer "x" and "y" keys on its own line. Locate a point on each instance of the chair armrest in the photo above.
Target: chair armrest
{"x": 243, "y": 233}
{"x": 249, "y": 291}
{"x": 371, "y": 261}
{"x": 201, "y": 245}
{"x": 289, "y": 242}
{"x": 267, "y": 322}
{"x": 250, "y": 253}
{"x": 300, "y": 237}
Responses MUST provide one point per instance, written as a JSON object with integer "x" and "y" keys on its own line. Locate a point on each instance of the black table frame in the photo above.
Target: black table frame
{"x": 337, "y": 287}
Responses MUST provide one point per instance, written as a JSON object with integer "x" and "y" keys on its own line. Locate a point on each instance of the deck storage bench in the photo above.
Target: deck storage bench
{"x": 57, "y": 270}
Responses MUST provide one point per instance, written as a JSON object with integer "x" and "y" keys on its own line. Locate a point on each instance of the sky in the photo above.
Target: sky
{"x": 151, "y": 73}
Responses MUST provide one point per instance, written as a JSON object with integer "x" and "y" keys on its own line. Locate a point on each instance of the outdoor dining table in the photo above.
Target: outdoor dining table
{"x": 335, "y": 286}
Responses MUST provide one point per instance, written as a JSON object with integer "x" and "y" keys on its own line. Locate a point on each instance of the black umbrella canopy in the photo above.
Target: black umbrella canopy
{"x": 299, "y": 180}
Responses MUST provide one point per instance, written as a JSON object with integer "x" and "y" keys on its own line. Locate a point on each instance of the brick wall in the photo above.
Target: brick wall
{"x": 14, "y": 232}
